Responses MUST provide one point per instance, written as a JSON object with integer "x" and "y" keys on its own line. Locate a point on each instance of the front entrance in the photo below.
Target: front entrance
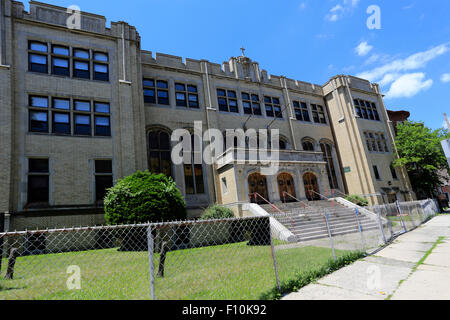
{"x": 311, "y": 187}
{"x": 286, "y": 185}
{"x": 392, "y": 197}
{"x": 257, "y": 183}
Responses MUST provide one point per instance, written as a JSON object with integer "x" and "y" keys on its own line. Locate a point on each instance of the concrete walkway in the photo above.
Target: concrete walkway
{"x": 415, "y": 267}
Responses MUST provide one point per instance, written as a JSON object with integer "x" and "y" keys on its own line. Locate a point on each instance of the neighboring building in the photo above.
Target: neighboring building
{"x": 398, "y": 117}
{"x": 84, "y": 108}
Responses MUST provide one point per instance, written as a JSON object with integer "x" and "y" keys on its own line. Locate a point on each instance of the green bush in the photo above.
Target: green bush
{"x": 144, "y": 197}
{"x": 217, "y": 212}
{"x": 360, "y": 201}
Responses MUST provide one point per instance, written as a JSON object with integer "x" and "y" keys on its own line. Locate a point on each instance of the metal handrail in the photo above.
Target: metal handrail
{"x": 300, "y": 201}
{"x": 256, "y": 195}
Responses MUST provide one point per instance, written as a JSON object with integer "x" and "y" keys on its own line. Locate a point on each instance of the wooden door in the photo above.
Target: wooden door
{"x": 286, "y": 185}
{"x": 311, "y": 187}
{"x": 257, "y": 183}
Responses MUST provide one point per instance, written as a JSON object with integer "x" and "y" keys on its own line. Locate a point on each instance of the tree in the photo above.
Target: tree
{"x": 420, "y": 151}
{"x": 144, "y": 197}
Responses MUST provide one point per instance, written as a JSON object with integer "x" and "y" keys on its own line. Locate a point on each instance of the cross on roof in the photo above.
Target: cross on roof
{"x": 243, "y": 51}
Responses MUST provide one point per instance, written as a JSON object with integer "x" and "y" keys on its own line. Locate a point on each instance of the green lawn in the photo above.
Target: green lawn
{"x": 235, "y": 271}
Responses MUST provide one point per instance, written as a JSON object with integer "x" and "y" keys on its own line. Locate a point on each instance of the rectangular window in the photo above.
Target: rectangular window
{"x": 377, "y": 173}
{"x": 102, "y": 126}
{"x": 318, "y": 113}
{"x": 62, "y": 104}
{"x": 180, "y": 95}
{"x": 101, "y": 72}
{"x": 103, "y": 178}
{"x": 251, "y": 104}
{"x": 38, "y": 181}
{"x": 186, "y": 98}
{"x": 273, "y": 108}
{"x": 82, "y": 105}
{"x": 37, "y": 57}
{"x": 82, "y": 125}
{"x": 227, "y": 100}
{"x": 61, "y": 123}
{"x": 81, "y": 69}
{"x": 38, "y": 121}
{"x": 301, "y": 111}
{"x": 149, "y": 91}
{"x": 162, "y": 92}
{"x": 394, "y": 172}
{"x": 366, "y": 110}
{"x": 60, "y": 66}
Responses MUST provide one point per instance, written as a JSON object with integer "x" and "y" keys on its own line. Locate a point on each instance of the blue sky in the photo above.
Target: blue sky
{"x": 308, "y": 40}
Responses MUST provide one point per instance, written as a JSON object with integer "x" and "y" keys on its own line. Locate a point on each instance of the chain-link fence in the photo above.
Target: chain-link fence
{"x": 209, "y": 260}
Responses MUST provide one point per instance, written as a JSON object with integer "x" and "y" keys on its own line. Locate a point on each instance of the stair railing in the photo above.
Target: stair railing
{"x": 326, "y": 198}
{"x": 305, "y": 205}
{"x": 256, "y": 195}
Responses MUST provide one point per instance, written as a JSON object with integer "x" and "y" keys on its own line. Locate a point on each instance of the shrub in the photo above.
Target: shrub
{"x": 144, "y": 197}
{"x": 217, "y": 212}
{"x": 360, "y": 201}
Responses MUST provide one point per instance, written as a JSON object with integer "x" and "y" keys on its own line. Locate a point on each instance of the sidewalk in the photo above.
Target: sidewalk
{"x": 415, "y": 267}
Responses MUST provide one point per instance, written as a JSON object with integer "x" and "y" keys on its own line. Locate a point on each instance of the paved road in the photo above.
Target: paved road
{"x": 397, "y": 272}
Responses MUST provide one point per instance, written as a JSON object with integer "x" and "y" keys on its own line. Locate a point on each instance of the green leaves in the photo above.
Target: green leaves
{"x": 420, "y": 151}
{"x": 144, "y": 197}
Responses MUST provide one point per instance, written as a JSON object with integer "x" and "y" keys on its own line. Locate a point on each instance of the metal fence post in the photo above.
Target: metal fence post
{"x": 380, "y": 222}
{"x": 399, "y": 209}
{"x": 360, "y": 230}
{"x": 329, "y": 234}
{"x": 151, "y": 246}
{"x": 2, "y": 229}
{"x": 274, "y": 259}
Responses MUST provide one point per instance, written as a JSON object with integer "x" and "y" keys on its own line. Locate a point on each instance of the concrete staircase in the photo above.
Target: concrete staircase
{"x": 308, "y": 223}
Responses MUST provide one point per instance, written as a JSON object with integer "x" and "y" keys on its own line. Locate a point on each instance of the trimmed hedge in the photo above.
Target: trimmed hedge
{"x": 144, "y": 197}
{"x": 217, "y": 212}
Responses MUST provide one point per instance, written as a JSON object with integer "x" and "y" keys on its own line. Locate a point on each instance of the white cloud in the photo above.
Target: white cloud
{"x": 409, "y": 85}
{"x": 339, "y": 10}
{"x": 413, "y": 62}
{"x": 445, "y": 77}
{"x": 363, "y": 49}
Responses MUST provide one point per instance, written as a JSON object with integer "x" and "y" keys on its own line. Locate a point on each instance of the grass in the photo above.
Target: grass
{"x": 232, "y": 271}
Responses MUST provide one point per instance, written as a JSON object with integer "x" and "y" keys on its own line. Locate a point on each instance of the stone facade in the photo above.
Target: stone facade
{"x": 72, "y": 158}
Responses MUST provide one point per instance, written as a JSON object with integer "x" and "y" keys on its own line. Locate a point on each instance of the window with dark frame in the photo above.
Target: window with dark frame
{"x": 149, "y": 90}
{"x": 38, "y": 114}
{"x": 60, "y": 60}
{"x": 394, "y": 172}
{"x": 193, "y": 173}
{"x": 301, "y": 111}
{"x": 102, "y": 119}
{"x": 308, "y": 145}
{"x": 103, "y": 178}
{"x": 251, "y": 104}
{"x": 37, "y": 57}
{"x": 227, "y": 100}
{"x": 162, "y": 92}
{"x": 318, "y": 113}
{"x": 377, "y": 173}
{"x": 331, "y": 170}
{"x": 81, "y": 64}
{"x": 38, "y": 182}
{"x": 82, "y": 118}
{"x": 101, "y": 67}
{"x": 159, "y": 152}
{"x": 366, "y": 110}
{"x": 186, "y": 95}
{"x": 273, "y": 107}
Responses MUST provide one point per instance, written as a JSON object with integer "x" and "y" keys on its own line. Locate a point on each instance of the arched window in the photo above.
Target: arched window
{"x": 193, "y": 173}
{"x": 308, "y": 145}
{"x": 159, "y": 152}
{"x": 331, "y": 171}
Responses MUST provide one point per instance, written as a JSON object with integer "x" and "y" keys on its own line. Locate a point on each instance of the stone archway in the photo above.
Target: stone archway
{"x": 257, "y": 183}
{"x": 286, "y": 185}
{"x": 311, "y": 186}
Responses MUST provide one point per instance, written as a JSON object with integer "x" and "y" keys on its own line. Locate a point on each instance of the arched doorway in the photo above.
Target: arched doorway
{"x": 257, "y": 183}
{"x": 286, "y": 185}
{"x": 311, "y": 186}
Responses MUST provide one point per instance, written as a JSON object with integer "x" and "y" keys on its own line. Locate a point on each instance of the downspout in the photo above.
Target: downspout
{"x": 290, "y": 115}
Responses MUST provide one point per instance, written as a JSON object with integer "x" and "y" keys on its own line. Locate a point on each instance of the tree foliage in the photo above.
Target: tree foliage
{"x": 420, "y": 151}
{"x": 144, "y": 197}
